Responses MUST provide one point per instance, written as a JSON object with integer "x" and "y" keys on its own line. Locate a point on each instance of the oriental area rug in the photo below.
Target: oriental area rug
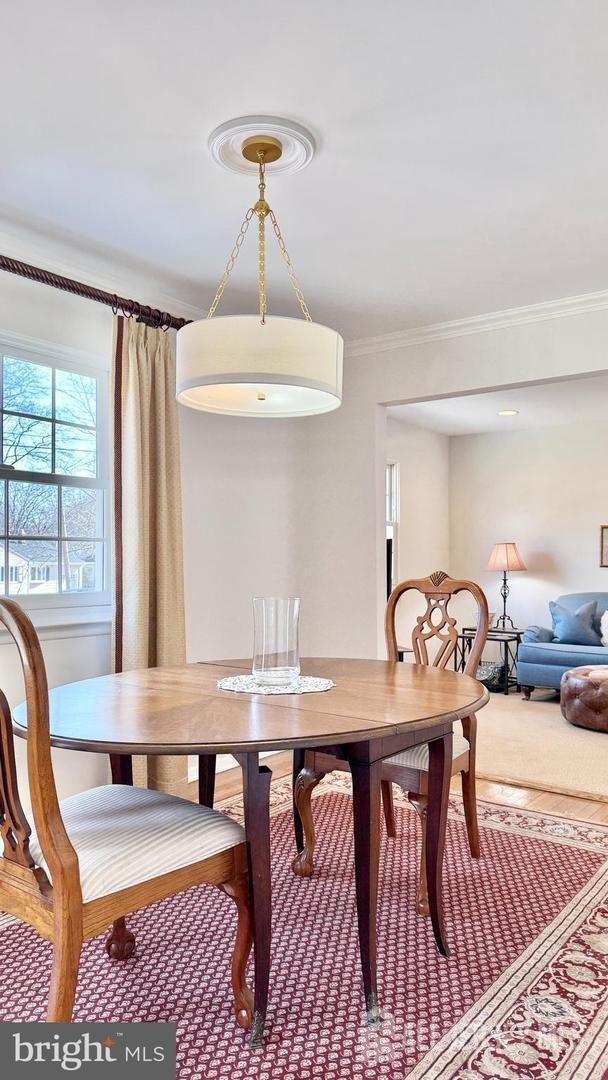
{"x": 524, "y": 993}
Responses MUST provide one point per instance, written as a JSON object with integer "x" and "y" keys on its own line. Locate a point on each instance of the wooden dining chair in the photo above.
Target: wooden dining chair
{"x": 98, "y": 855}
{"x": 409, "y": 769}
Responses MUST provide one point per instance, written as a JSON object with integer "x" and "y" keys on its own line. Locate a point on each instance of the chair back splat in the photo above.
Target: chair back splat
{"x": 436, "y": 623}
{"x": 58, "y": 852}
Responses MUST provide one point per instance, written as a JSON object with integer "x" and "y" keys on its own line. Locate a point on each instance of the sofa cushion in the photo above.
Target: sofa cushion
{"x": 551, "y": 652}
{"x": 573, "y": 601}
{"x": 604, "y": 628}
{"x": 575, "y": 628}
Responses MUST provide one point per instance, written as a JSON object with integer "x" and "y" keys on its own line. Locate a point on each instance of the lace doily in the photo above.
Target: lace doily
{"x": 247, "y": 684}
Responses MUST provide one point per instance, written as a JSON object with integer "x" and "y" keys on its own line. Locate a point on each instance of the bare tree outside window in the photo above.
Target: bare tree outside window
{"x": 51, "y": 495}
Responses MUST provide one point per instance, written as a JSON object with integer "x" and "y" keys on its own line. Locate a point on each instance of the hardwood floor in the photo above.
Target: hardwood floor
{"x": 548, "y": 802}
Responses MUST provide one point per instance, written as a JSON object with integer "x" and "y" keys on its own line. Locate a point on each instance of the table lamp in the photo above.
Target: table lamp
{"x": 505, "y": 558}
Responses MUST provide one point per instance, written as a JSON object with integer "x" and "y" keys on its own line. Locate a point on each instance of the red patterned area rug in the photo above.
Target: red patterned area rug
{"x": 524, "y": 993}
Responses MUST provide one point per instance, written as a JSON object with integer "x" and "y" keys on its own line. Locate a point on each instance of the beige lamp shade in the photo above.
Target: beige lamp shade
{"x": 239, "y": 366}
{"x": 505, "y": 557}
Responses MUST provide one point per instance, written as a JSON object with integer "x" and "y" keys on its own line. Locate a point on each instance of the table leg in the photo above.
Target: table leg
{"x": 256, "y": 791}
{"x": 366, "y": 819}
{"x": 122, "y": 769}
{"x": 506, "y": 666}
{"x": 298, "y": 765}
{"x": 440, "y": 770}
{"x": 206, "y": 779}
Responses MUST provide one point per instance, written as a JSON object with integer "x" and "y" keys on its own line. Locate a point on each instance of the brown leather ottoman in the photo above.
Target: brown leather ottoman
{"x": 584, "y": 697}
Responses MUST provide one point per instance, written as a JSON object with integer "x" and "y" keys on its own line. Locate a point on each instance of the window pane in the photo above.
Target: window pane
{"x": 75, "y": 398}
{"x": 82, "y": 567}
{"x": 32, "y": 567}
{"x": 2, "y": 523}
{"x": 82, "y": 512}
{"x": 2, "y": 575}
{"x": 75, "y": 451}
{"x": 27, "y": 387}
{"x": 32, "y": 509}
{"x": 27, "y": 444}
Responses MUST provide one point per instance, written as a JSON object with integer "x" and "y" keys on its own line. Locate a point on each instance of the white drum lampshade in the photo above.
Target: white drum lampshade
{"x": 239, "y": 366}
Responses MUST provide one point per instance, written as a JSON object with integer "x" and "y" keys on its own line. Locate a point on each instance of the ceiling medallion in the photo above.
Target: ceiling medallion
{"x": 260, "y": 365}
{"x": 226, "y": 142}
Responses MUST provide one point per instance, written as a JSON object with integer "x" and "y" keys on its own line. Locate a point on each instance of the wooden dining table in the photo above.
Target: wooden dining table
{"x": 376, "y": 709}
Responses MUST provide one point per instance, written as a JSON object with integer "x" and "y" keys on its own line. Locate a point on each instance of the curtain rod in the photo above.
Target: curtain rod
{"x": 129, "y": 308}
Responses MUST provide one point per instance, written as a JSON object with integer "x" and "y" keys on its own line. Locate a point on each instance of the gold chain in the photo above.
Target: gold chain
{"x": 234, "y": 254}
{"x": 262, "y": 270}
{"x": 262, "y": 210}
{"x": 290, "y": 270}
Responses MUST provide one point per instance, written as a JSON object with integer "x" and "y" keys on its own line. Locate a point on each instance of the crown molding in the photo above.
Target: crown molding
{"x": 32, "y": 247}
{"x": 478, "y": 324}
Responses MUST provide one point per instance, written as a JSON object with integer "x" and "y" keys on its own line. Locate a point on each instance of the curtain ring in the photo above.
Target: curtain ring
{"x": 115, "y": 304}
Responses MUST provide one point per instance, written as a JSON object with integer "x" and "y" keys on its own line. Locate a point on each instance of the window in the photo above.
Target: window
{"x": 53, "y": 482}
{"x": 392, "y": 524}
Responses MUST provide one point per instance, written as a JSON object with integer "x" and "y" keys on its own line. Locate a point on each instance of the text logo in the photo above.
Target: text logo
{"x": 43, "y": 1051}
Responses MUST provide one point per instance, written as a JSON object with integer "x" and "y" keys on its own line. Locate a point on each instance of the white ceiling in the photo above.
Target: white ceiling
{"x": 462, "y": 164}
{"x": 546, "y": 405}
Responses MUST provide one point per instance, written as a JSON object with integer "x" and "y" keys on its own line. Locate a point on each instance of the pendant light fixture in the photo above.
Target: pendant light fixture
{"x": 260, "y": 365}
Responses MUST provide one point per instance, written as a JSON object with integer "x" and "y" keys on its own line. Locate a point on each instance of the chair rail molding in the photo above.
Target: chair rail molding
{"x": 58, "y": 626}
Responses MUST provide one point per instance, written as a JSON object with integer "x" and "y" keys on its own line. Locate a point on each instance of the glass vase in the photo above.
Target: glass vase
{"x": 276, "y": 656}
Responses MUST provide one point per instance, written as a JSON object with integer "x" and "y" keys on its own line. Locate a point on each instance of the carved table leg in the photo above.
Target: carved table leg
{"x": 440, "y": 769}
{"x": 238, "y": 890}
{"x": 305, "y": 784}
{"x": 299, "y": 760}
{"x": 389, "y": 808}
{"x": 120, "y": 944}
{"x": 420, "y": 802}
{"x": 122, "y": 768}
{"x": 256, "y": 791}
{"x": 206, "y": 779}
{"x": 366, "y": 819}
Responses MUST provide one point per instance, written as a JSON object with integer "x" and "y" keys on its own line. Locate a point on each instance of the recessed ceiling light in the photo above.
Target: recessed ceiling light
{"x": 508, "y": 412}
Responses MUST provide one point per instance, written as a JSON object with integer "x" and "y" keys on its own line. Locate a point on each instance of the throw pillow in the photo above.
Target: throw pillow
{"x": 604, "y": 626}
{"x": 574, "y": 627}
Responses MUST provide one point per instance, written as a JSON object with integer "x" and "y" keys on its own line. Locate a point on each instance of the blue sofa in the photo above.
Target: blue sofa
{"x": 541, "y": 661}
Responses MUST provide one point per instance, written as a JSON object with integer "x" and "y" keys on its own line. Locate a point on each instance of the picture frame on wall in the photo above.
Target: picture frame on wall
{"x": 604, "y": 545}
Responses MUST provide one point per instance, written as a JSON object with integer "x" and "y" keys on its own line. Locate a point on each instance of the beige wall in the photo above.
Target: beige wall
{"x": 544, "y": 489}
{"x": 237, "y": 506}
{"x": 423, "y": 530}
{"x": 346, "y": 452}
{"x": 423, "y": 457}
{"x": 297, "y": 506}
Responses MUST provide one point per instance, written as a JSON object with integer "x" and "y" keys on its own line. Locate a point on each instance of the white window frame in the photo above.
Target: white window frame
{"x": 81, "y": 363}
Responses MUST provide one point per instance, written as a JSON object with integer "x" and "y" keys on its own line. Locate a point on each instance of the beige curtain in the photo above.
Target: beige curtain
{"x": 149, "y": 585}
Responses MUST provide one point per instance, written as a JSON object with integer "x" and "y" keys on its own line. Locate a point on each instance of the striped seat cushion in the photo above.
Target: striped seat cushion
{"x": 417, "y": 757}
{"x": 124, "y": 835}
